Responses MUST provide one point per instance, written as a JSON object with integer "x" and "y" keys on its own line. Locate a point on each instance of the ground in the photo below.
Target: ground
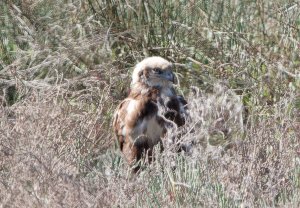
{"x": 64, "y": 67}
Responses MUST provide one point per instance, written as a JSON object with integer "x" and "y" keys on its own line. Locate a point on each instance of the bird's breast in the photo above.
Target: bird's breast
{"x": 149, "y": 127}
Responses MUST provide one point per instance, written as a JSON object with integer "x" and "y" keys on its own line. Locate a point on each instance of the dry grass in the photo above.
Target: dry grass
{"x": 55, "y": 153}
{"x": 65, "y": 66}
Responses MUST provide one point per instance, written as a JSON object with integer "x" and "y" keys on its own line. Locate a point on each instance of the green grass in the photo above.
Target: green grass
{"x": 65, "y": 65}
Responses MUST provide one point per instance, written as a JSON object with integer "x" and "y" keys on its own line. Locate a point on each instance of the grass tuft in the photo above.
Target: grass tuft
{"x": 64, "y": 67}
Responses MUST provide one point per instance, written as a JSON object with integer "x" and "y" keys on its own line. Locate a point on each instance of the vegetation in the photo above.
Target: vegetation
{"x": 65, "y": 65}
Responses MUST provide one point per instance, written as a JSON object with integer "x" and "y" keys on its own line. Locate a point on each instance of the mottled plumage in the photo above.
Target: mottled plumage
{"x": 140, "y": 120}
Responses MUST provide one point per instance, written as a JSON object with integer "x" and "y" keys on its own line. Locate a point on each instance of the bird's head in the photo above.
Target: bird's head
{"x": 153, "y": 71}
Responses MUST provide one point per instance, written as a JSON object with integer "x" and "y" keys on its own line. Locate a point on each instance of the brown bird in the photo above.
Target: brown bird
{"x": 140, "y": 121}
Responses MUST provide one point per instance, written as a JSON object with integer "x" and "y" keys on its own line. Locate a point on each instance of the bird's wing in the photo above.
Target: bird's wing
{"x": 176, "y": 109}
{"x": 124, "y": 120}
{"x": 128, "y": 118}
{"x": 183, "y": 106}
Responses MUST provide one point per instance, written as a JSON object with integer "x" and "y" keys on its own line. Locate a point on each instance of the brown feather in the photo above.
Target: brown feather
{"x": 144, "y": 102}
{"x": 140, "y": 120}
{"x": 138, "y": 107}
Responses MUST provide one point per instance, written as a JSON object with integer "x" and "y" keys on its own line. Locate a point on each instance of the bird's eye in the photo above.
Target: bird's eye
{"x": 157, "y": 71}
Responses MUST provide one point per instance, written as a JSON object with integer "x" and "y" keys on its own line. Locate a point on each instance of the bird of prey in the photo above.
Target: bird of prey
{"x": 140, "y": 121}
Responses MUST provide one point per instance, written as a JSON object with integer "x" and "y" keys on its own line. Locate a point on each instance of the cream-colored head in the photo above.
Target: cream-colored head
{"x": 153, "y": 71}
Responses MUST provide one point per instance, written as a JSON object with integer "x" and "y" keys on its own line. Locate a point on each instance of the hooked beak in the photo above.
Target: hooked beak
{"x": 170, "y": 76}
